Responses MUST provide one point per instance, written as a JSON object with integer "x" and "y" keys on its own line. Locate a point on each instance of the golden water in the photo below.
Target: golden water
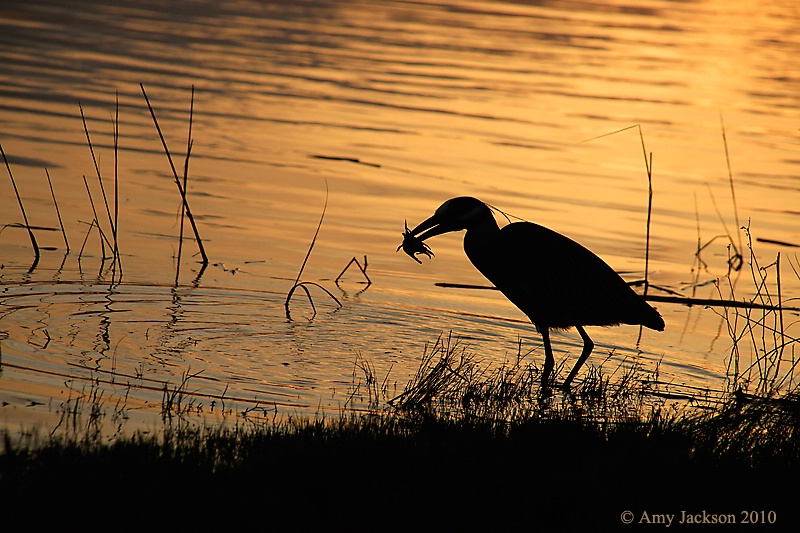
{"x": 394, "y": 107}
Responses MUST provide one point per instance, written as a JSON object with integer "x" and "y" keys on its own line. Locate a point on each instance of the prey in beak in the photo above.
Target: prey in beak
{"x": 413, "y": 245}
{"x": 453, "y": 215}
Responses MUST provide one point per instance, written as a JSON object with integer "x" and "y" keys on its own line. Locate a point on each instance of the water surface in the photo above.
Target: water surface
{"x": 392, "y": 107}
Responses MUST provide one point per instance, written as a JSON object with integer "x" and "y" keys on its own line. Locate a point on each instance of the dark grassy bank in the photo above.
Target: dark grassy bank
{"x": 556, "y": 471}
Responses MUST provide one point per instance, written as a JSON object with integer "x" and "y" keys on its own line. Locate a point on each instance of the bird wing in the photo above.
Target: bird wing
{"x": 558, "y": 282}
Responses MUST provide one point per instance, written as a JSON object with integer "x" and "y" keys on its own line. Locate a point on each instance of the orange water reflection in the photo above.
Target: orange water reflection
{"x": 505, "y": 101}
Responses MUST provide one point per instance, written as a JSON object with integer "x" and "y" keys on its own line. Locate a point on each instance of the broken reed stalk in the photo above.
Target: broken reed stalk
{"x": 304, "y": 284}
{"x": 99, "y": 176}
{"x": 181, "y": 189}
{"x": 736, "y": 260}
{"x": 781, "y": 324}
{"x": 314, "y": 239}
{"x": 111, "y": 219}
{"x": 701, "y": 264}
{"x": 103, "y": 239}
{"x": 706, "y": 302}
{"x": 115, "y": 224}
{"x": 730, "y": 178}
{"x": 649, "y": 166}
{"x": 85, "y": 240}
{"x": 58, "y": 212}
{"x": 648, "y": 163}
{"x": 189, "y": 143}
{"x": 22, "y": 208}
{"x": 363, "y": 270}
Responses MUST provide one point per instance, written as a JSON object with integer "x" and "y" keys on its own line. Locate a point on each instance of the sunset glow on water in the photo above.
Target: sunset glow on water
{"x": 392, "y": 108}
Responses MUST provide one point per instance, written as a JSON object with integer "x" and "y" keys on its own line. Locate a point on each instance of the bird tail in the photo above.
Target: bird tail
{"x": 652, "y": 319}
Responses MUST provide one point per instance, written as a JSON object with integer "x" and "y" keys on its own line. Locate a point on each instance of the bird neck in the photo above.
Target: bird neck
{"x": 486, "y": 226}
{"x": 479, "y": 242}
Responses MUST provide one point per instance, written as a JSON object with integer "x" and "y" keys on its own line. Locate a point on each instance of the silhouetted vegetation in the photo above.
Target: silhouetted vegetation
{"x": 468, "y": 445}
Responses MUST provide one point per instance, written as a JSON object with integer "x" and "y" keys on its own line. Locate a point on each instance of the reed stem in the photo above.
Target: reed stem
{"x": 22, "y": 208}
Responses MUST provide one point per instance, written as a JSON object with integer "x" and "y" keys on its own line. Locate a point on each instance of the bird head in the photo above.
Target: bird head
{"x": 455, "y": 214}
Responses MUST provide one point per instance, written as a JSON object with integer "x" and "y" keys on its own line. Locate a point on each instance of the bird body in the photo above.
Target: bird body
{"x": 555, "y": 281}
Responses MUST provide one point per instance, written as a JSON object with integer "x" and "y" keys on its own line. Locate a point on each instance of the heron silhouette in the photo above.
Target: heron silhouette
{"x": 554, "y": 280}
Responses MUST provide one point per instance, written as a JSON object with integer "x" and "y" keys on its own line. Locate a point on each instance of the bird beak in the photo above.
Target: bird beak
{"x": 430, "y": 228}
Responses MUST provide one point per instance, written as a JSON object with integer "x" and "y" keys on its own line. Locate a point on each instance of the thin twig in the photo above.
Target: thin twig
{"x": 97, "y": 170}
{"x": 85, "y": 240}
{"x": 103, "y": 239}
{"x": 648, "y": 163}
{"x": 189, "y": 144}
{"x": 709, "y": 302}
{"x": 115, "y": 227}
{"x": 113, "y": 247}
{"x": 649, "y": 167}
{"x": 302, "y": 285}
{"x": 780, "y": 312}
{"x": 363, "y": 270}
{"x": 736, "y": 260}
{"x": 22, "y": 208}
{"x": 89, "y": 140}
{"x": 314, "y": 239}
{"x": 58, "y": 213}
{"x": 730, "y": 178}
{"x": 177, "y": 179}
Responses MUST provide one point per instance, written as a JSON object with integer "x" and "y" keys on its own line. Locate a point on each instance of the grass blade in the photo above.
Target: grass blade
{"x": 22, "y": 208}
{"x": 177, "y": 179}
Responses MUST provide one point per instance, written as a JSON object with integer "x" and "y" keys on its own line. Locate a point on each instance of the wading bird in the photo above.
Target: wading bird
{"x": 551, "y": 278}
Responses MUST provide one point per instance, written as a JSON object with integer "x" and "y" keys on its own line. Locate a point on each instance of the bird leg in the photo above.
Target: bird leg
{"x": 549, "y": 361}
{"x": 587, "y": 349}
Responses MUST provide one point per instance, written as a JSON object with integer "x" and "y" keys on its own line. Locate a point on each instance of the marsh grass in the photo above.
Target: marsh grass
{"x": 763, "y": 355}
{"x": 468, "y": 466}
{"x": 476, "y": 444}
{"x": 178, "y": 401}
{"x": 34, "y": 243}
